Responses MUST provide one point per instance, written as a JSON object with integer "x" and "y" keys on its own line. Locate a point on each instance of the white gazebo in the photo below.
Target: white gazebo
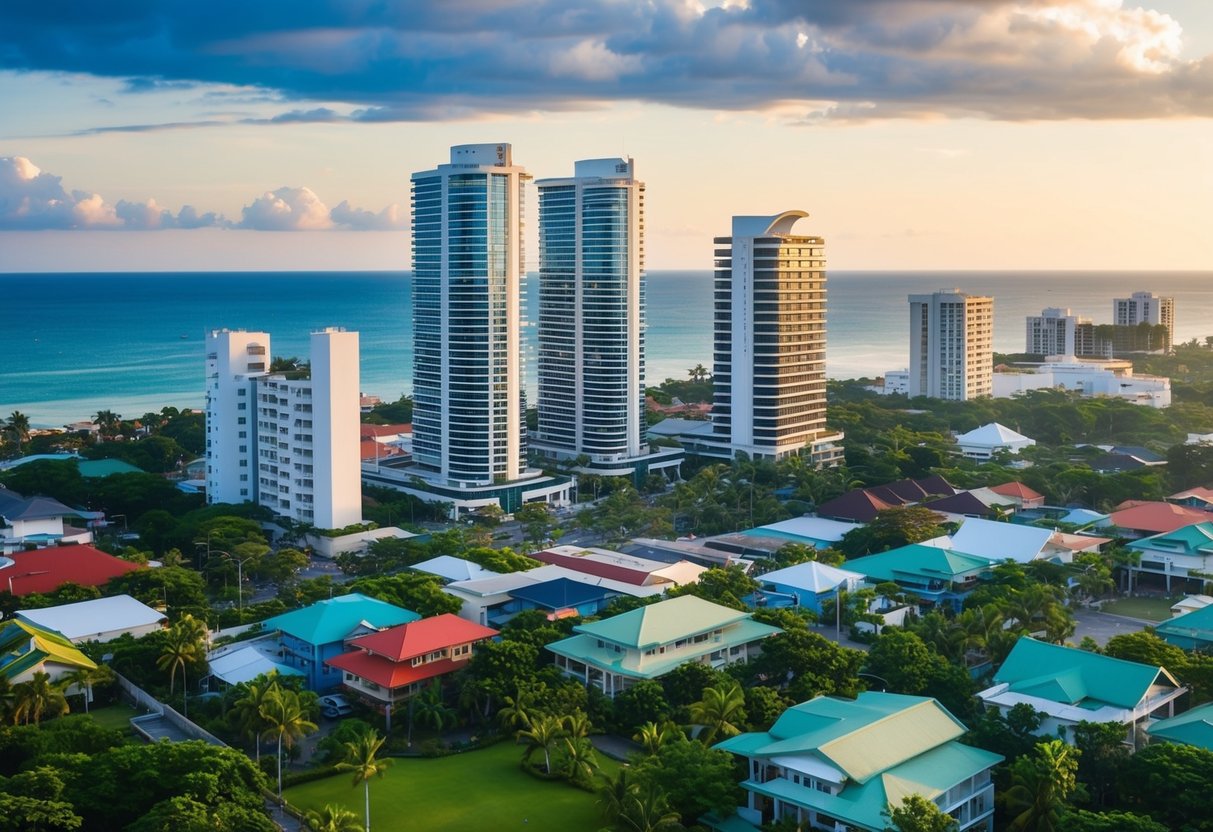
{"x": 985, "y": 441}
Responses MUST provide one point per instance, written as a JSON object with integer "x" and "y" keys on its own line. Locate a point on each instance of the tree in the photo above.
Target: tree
{"x": 698, "y": 373}
{"x": 805, "y": 664}
{"x": 892, "y": 528}
{"x": 37, "y": 697}
{"x": 286, "y": 718}
{"x": 18, "y": 428}
{"x": 536, "y": 520}
{"x": 362, "y": 758}
{"x": 429, "y": 708}
{"x": 332, "y": 818}
{"x": 1103, "y": 753}
{"x": 542, "y": 735}
{"x": 248, "y": 709}
{"x": 83, "y": 679}
{"x": 652, "y": 736}
{"x": 283, "y": 564}
{"x": 917, "y": 814}
{"x": 1170, "y": 783}
{"x": 416, "y": 591}
{"x": 1145, "y": 647}
{"x": 721, "y": 712}
{"x": 183, "y": 646}
{"x": 697, "y": 779}
{"x": 643, "y": 702}
{"x": 1040, "y": 786}
{"x": 1077, "y": 820}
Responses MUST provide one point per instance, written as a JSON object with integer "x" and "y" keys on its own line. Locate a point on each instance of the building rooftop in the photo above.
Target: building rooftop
{"x": 811, "y": 576}
{"x": 92, "y": 469}
{"x": 663, "y": 622}
{"x": 452, "y": 568}
{"x": 1017, "y": 490}
{"x": 965, "y": 503}
{"x": 809, "y": 530}
{"x": 92, "y": 618}
{"x": 1071, "y": 676}
{"x": 423, "y": 636}
{"x": 1000, "y": 541}
{"x": 992, "y": 435}
{"x": 25, "y": 646}
{"x": 918, "y": 562}
{"x": 1197, "y": 625}
{"x": 1157, "y": 517}
{"x": 334, "y": 619}
{"x": 1192, "y": 728}
{"x": 561, "y": 593}
{"x": 247, "y": 663}
{"x": 45, "y": 570}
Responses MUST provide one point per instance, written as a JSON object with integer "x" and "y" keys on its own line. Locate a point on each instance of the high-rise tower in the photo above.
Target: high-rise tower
{"x": 951, "y": 345}
{"x": 591, "y": 312}
{"x": 468, "y": 414}
{"x": 770, "y": 342}
{"x": 1146, "y": 308}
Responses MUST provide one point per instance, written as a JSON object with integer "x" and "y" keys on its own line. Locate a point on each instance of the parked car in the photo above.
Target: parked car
{"x": 335, "y": 706}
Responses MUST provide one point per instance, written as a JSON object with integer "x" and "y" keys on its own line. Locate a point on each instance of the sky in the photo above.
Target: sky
{"x": 163, "y": 135}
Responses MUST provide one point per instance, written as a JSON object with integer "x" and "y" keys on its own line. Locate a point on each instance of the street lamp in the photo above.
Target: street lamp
{"x": 239, "y": 573}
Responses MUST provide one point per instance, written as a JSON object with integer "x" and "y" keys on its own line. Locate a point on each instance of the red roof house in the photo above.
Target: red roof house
{"x": 1144, "y": 519}
{"x": 1020, "y": 494}
{"x": 45, "y": 570}
{"x": 392, "y": 664}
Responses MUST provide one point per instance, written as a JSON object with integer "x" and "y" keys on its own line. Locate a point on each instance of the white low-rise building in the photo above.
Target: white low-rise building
{"x": 101, "y": 619}
{"x": 1090, "y": 378}
{"x": 987, "y": 440}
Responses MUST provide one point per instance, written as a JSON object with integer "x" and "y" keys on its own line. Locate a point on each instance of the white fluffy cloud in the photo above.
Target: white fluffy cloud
{"x": 287, "y": 209}
{"x": 390, "y": 218}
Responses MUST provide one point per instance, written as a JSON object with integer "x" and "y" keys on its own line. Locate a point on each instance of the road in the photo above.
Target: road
{"x": 1101, "y": 626}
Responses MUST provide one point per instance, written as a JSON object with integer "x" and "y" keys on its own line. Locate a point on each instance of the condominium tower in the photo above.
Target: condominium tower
{"x": 469, "y": 423}
{"x": 770, "y": 343}
{"x": 1145, "y": 308}
{"x": 951, "y": 345}
{"x": 1059, "y": 332}
{"x": 591, "y": 313}
{"x": 287, "y": 441}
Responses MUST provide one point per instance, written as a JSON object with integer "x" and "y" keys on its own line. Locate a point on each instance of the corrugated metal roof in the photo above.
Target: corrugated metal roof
{"x": 663, "y": 622}
{"x": 331, "y": 620}
{"x": 1072, "y": 676}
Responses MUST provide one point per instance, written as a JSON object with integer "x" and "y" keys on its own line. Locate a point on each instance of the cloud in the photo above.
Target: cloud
{"x": 836, "y": 59}
{"x": 31, "y": 200}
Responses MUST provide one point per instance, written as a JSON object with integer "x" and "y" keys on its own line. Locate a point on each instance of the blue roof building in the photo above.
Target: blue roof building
{"x": 561, "y": 598}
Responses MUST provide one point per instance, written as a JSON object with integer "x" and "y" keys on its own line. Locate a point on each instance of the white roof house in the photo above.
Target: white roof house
{"x": 814, "y": 577}
{"x": 985, "y": 441}
{"x": 1190, "y": 604}
{"x": 813, "y": 531}
{"x": 245, "y": 661}
{"x": 1001, "y": 541}
{"x": 102, "y": 619}
{"x": 451, "y": 568}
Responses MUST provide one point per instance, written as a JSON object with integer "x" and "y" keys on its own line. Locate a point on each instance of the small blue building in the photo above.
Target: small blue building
{"x": 559, "y": 598}
{"x": 312, "y": 635}
{"x": 804, "y": 585}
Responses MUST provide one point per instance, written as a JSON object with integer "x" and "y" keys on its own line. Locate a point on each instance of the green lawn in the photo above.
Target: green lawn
{"x": 1151, "y": 609}
{"x": 465, "y": 792}
{"x": 112, "y": 716}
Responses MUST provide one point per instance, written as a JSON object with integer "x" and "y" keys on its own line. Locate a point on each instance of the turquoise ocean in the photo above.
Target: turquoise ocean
{"x": 73, "y": 344}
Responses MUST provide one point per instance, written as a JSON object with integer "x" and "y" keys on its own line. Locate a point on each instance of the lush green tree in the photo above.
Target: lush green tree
{"x": 685, "y": 684}
{"x": 362, "y": 758}
{"x": 917, "y": 814}
{"x": 332, "y": 818}
{"x": 184, "y": 647}
{"x": 1103, "y": 753}
{"x": 643, "y": 702}
{"x": 892, "y": 527}
{"x": 1078, "y": 820}
{"x": 429, "y": 708}
{"x": 1012, "y": 736}
{"x": 726, "y": 586}
{"x": 653, "y": 735}
{"x": 537, "y": 521}
{"x": 37, "y": 698}
{"x": 721, "y": 712}
{"x": 283, "y": 564}
{"x": 1145, "y": 647}
{"x": 417, "y": 591}
{"x": 185, "y": 814}
{"x": 286, "y": 717}
{"x": 182, "y": 591}
{"x": 1170, "y": 783}
{"x": 805, "y": 664}
{"x": 764, "y": 705}
{"x": 542, "y": 734}
{"x": 1041, "y": 785}
{"x": 32, "y": 801}
{"x": 248, "y": 709}
{"x": 697, "y": 779}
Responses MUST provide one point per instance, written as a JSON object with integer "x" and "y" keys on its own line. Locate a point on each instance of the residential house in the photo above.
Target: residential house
{"x": 818, "y": 532}
{"x": 936, "y": 576}
{"x": 1194, "y": 727}
{"x": 561, "y": 598}
{"x": 101, "y": 619}
{"x": 310, "y": 636}
{"x": 1135, "y": 519}
{"x": 26, "y": 649}
{"x": 804, "y": 585}
{"x": 1071, "y": 686}
{"x": 37, "y": 521}
{"x": 862, "y": 505}
{"x": 389, "y": 666}
{"x": 244, "y": 661}
{"x": 1191, "y": 631}
{"x": 1002, "y": 541}
{"x": 45, "y": 570}
{"x": 1019, "y": 494}
{"x": 1199, "y": 497}
{"x": 451, "y": 568}
{"x": 1181, "y": 554}
{"x": 832, "y": 764}
{"x": 984, "y": 442}
{"x": 630, "y": 569}
{"x": 957, "y": 507}
{"x": 646, "y": 643}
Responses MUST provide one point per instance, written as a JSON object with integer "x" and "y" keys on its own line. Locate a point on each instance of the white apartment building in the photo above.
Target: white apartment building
{"x": 1148, "y": 308}
{"x": 1113, "y": 379}
{"x": 287, "y": 441}
{"x": 1059, "y": 332}
{"x": 770, "y": 344}
{"x": 951, "y": 345}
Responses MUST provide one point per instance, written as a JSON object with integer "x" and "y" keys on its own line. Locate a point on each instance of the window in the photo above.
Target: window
{"x": 240, "y": 420}
{"x": 241, "y": 405}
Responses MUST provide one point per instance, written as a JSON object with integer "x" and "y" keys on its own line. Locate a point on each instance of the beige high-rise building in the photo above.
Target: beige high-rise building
{"x": 1145, "y": 308}
{"x": 951, "y": 345}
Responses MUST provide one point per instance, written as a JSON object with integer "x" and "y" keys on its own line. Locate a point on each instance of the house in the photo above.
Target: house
{"x": 310, "y": 636}
{"x": 1190, "y": 604}
{"x": 101, "y": 619}
{"x": 1179, "y": 554}
{"x": 45, "y": 570}
{"x": 1201, "y": 498}
{"x": 244, "y": 661}
{"x": 936, "y": 576}
{"x": 389, "y": 666}
{"x": 1191, "y": 631}
{"x": 646, "y": 643}
{"x": 984, "y": 442}
{"x": 831, "y": 764}
{"x": 1071, "y": 686}
{"x": 1019, "y": 494}
{"x": 630, "y": 569}
{"x": 26, "y": 649}
{"x": 561, "y": 598}
{"x": 1146, "y": 518}
{"x": 451, "y": 568}
{"x": 957, "y": 507}
{"x": 862, "y": 505}
{"x": 1116, "y": 463}
{"x": 805, "y": 585}
{"x": 37, "y": 521}
{"x": 1002, "y": 541}
{"x": 857, "y": 507}
{"x": 818, "y": 532}
{"x": 1082, "y": 517}
{"x": 1195, "y": 727}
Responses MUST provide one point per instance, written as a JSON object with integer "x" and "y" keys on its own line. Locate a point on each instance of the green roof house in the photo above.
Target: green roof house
{"x": 840, "y": 764}
{"x": 645, "y": 643}
{"x": 1191, "y": 631}
{"x": 1184, "y": 553}
{"x": 312, "y": 635}
{"x": 1072, "y": 686}
{"x": 26, "y": 649}
{"x": 1195, "y": 727}
{"x": 938, "y": 576}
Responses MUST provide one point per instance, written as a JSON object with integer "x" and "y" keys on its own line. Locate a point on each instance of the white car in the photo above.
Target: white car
{"x": 335, "y": 705}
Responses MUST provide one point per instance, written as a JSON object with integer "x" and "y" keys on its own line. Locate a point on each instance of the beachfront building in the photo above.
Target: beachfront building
{"x": 1146, "y": 308}
{"x": 646, "y": 643}
{"x": 1059, "y": 332}
{"x": 770, "y": 346}
{"x": 469, "y": 413}
{"x": 951, "y": 345}
{"x": 1069, "y": 686}
{"x": 591, "y": 321}
{"x": 831, "y": 764}
{"x": 288, "y": 441}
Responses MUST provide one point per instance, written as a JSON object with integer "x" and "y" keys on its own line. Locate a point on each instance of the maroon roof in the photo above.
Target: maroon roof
{"x": 597, "y": 568}
{"x": 856, "y": 506}
{"x": 962, "y": 503}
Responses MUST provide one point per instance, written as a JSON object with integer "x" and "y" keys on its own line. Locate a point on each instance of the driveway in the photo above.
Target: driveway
{"x": 1101, "y": 626}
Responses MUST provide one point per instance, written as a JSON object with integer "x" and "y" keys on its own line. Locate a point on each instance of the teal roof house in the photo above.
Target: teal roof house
{"x": 646, "y": 643}
{"x": 1072, "y": 686}
{"x": 834, "y": 764}
{"x": 937, "y": 576}
{"x": 311, "y": 636}
{"x": 1194, "y": 727}
{"x": 1191, "y": 631}
{"x": 1185, "y": 553}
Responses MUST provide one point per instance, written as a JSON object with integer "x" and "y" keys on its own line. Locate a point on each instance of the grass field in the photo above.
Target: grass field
{"x": 465, "y": 792}
{"x": 112, "y": 716}
{"x": 1151, "y": 609}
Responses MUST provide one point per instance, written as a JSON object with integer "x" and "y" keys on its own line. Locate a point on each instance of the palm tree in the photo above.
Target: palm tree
{"x": 247, "y": 709}
{"x": 362, "y": 758}
{"x": 653, "y": 736}
{"x": 430, "y": 708}
{"x": 647, "y": 809}
{"x": 719, "y": 712}
{"x": 333, "y": 818}
{"x": 18, "y": 427}
{"x": 580, "y": 758}
{"x": 83, "y": 679}
{"x": 36, "y": 697}
{"x": 183, "y": 646}
{"x": 1040, "y": 786}
{"x": 698, "y": 372}
{"x": 107, "y": 421}
{"x": 613, "y": 793}
{"x": 284, "y": 713}
{"x": 577, "y": 725}
{"x": 543, "y": 734}
{"x": 516, "y": 712}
